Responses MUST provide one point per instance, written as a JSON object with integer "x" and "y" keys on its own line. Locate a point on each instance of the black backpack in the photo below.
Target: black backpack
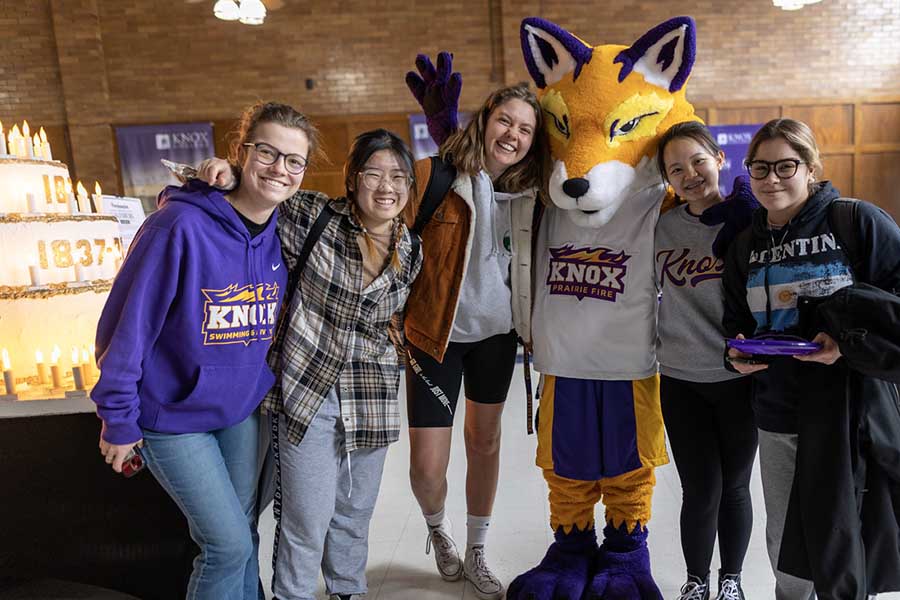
{"x": 843, "y": 215}
{"x": 442, "y": 176}
{"x": 864, "y": 320}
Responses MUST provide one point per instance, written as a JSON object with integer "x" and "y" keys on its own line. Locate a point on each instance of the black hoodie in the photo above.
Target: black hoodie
{"x": 774, "y": 278}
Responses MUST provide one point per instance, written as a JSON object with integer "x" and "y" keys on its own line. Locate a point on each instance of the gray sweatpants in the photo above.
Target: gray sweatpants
{"x": 777, "y": 462}
{"x": 324, "y": 499}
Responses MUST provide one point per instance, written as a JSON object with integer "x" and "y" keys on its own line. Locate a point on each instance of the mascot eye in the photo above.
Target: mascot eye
{"x": 617, "y": 130}
{"x": 562, "y": 124}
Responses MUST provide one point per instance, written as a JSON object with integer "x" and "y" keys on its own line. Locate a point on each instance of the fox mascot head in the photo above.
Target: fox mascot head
{"x": 605, "y": 108}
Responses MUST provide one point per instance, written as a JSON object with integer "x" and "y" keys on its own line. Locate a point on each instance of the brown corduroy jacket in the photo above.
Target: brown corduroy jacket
{"x": 446, "y": 245}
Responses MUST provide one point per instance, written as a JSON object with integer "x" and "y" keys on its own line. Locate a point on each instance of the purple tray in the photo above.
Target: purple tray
{"x": 775, "y": 345}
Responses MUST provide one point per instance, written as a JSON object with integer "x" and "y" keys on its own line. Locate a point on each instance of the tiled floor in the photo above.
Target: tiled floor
{"x": 520, "y": 534}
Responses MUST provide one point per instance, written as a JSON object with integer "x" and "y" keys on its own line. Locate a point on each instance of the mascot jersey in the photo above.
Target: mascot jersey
{"x": 595, "y": 295}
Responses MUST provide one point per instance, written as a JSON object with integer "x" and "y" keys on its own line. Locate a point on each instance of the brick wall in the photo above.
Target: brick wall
{"x": 90, "y": 64}
{"x": 30, "y": 86}
{"x": 746, "y": 50}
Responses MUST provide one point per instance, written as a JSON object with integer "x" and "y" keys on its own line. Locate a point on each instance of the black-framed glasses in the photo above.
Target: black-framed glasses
{"x": 784, "y": 168}
{"x": 399, "y": 182}
{"x": 267, "y": 154}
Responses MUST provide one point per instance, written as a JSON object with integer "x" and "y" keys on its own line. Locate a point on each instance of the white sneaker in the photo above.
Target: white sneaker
{"x": 475, "y": 570}
{"x": 446, "y": 556}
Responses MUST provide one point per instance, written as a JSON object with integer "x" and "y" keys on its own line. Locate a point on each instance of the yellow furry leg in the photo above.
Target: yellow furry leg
{"x": 571, "y": 502}
{"x": 627, "y": 497}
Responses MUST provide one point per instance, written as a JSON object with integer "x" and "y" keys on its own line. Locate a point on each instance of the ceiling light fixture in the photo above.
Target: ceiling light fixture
{"x": 793, "y": 4}
{"x": 248, "y": 12}
{"x": 253, "y": 12}
{"x": 227, "y": 10}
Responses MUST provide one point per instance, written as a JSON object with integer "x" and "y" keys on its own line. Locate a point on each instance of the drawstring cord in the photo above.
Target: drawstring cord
{"x": 766, "y": 274}
{"x": 350, "y": 475}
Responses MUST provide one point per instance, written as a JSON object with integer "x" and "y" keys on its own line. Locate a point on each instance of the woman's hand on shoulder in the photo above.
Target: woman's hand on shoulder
{"x": 115, "y": 454}
{"x": 217, "y": 173}
{"x": 829, "y": 353}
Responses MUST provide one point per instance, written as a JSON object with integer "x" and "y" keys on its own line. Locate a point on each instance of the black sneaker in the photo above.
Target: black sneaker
{"x": 730, "y": 586}
{"x": 695, "y": 588}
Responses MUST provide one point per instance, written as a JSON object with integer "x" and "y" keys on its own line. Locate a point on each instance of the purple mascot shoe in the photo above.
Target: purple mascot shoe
{"x": 622, "y": 568}
{"x": 564, "y": 572}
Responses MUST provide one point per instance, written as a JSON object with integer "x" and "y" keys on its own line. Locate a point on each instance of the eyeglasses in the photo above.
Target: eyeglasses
{"x": 399, "y": 182}
{"x": 269, "y": 155}
{"x": 784, "y": 168}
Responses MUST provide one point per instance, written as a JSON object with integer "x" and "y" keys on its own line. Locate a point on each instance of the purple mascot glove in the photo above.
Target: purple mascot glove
{"x": 735, "y": 212}
{"x": 563, "y": 573}
{"x": 622, "y": 570}
{"x": 437, "y": 92}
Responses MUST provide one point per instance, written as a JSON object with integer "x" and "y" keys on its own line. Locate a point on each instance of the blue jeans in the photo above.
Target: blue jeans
{"x": 212, "y": 477}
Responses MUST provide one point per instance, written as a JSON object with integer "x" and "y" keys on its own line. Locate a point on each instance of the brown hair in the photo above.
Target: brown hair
{"x": 271, "y": 112}
{"x": 798, "y": 136}
{"x": 465, "y": 148}
{"x": 364, "y": 146}
{"x": 694, "y": 130}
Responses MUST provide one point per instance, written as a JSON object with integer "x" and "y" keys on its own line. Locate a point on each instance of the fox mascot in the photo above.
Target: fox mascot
{"x": 600, "y": 427}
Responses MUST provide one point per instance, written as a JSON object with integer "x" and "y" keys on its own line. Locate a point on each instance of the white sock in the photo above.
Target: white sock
{"x": 477, "y": 530}
{"x": 438, "y": 519}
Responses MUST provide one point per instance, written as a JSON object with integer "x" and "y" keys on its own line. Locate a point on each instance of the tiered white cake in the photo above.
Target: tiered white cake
{"x": 57, "y": 262}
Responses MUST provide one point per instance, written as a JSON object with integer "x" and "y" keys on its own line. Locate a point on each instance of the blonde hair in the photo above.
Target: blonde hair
{"x": 798, "y": 136}
{"x": 271, "y": 112}
{"x": 465, "y": 148}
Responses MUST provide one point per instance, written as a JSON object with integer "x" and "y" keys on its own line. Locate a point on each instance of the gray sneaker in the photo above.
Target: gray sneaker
{"x": 446, "y": 556}
{"x": 695, "y": 589}
{"x": 475, "y": 570}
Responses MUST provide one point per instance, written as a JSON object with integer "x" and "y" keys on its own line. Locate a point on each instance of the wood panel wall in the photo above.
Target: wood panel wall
{"x": 859, "y": 140}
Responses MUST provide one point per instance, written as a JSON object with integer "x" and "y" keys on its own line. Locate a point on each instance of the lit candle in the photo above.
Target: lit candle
{"x": 93, "y": 357}
{"x": 86, "y": 364}
{"x": 38, "y": 149}
{"x": 70, "y": 195}
{"x": 29, "y": 144}
{"x": 54, "y": 368}
{"x": 80, "y": 273}
{"x": 41, "y": 367}
{"x": 83, "y": 201}
{"x": 2, "y": 140}
{"x": 98, "y": 197}
{"x": 8, "y": 379}
{"x": 14, "y": 138}
{"x": 45, "y": 145}
{"x": 77, "y": 374}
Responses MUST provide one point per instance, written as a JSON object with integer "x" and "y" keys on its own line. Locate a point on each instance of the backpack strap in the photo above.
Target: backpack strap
{"x": 416, "y": 245}
{"x": 315, "y": 232}
{"x": 842, "y": 220}
{"x": 442, "y": 176}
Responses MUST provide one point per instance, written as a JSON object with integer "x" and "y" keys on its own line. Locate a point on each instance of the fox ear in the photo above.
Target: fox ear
{"x": 551, "y": 52}
{"x": 664, "y": 55}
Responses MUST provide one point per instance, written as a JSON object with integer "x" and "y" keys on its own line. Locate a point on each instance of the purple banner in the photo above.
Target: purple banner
{"x": 422, "y": 144}
{"x": 734, "y": 140}
{"x": 142, "y": 146}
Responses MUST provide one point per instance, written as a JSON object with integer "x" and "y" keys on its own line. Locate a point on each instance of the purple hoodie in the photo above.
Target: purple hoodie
{"x": 182, "y": 340}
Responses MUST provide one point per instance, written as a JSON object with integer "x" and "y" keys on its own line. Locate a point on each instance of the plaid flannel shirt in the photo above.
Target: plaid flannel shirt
{"x": 334, "y": 333}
